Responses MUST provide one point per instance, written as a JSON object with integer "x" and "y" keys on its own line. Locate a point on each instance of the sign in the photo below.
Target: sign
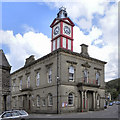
{"x": 64, "y": 104}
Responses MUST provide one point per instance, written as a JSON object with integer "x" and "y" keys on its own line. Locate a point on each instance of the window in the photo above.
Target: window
{"x": 50, "y": 99}
{"x": 98, "y": 78}
{"x": 28, "y": 81}
{"x": 14, "y": 85}
{"x": 70, "y": 99}
{"x": 64, "y": 42}
{"x": 54, "y": 45}
{"x": 69, "y": 44}
{"x": 43, "y": 102}
{"x": 85, "y": 76}
{"x": 49, "y": 75}
{"x": 37, "y": 79}
{"x": 20, "y": 84}
{"x": 38, "y": 100}
{"x": 71, "y": 73}
{"x": 58, "y": 43}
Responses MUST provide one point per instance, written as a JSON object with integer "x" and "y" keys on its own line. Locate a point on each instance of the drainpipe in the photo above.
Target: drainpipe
{"x": 57, "y": 83}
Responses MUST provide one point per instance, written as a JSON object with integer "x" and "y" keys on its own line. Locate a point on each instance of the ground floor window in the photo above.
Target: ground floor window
{"x": 70, "y": 99}
{"x": 38, "y": 100}
{"x": 50, "y": 99}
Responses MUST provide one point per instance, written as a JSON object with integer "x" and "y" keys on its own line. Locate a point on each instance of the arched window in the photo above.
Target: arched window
{"x": 85, "y": 73}
{"x": 50, "y": 99}
{"x": 71, "y": 73}
{"x": 97, "y": 78}
{"x": 37, "y": 79}
{"x": 38, "y": 100}
{"x": 70, "y": 99}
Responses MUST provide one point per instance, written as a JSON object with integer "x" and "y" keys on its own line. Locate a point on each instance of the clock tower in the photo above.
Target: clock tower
{"x": 62, "y": 31}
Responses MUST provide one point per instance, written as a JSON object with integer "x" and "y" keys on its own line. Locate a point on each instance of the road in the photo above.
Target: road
{"x": 110, "y": 112}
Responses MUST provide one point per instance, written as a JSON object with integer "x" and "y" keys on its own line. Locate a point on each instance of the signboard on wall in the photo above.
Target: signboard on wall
{"x": 64, "y": 104}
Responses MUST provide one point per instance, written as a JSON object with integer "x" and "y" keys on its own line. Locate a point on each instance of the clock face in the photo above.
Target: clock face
{"x": 67, "y": 30}
{"x": 56, "y": 30}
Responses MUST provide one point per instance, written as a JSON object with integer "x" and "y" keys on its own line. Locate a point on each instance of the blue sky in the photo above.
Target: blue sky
{"x": 36, "y": 15}
{"x": 26, "y": 30}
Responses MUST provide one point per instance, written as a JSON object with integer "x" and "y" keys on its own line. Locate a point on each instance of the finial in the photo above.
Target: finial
{"x": 62, "y": 13}
{"x": 62, "y": 8}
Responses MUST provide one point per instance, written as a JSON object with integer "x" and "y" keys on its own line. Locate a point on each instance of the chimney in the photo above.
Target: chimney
{"x": 29, "y": 60}
{"x": 84, "y": 50}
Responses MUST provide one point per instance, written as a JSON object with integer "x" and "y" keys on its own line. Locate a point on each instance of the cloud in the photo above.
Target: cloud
{"x": 22, "y": 46}
{"x": 102, "y": 39}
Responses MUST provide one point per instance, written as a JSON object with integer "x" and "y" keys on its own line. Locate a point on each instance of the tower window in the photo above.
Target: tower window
{"x": 54, "y": 45}
{"x": 71, "y": 73}
{"x": 64, "y": 42}
{"x": 69, "y": 44}
{"x": 58, "y": 43}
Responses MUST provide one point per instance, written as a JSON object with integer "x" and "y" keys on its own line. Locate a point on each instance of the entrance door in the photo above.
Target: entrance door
{"x": 25, "y": 102}
{"x": 90, "y": 100}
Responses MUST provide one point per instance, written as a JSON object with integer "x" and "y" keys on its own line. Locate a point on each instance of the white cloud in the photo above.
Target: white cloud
{"x": 22, "y": 47}
{"x": 81, "y": 13}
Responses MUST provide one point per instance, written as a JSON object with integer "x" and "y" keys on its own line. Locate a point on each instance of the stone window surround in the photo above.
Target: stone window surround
{"x": 71, "y": 98}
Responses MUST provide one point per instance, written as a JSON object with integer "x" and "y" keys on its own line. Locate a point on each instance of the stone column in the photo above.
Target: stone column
{"x": 27, "y": 103}
{"x": 82, "y": 101}
{"x": 93, "y": 100}
{"x": 85, "y": 99}
{"x": 86, "y": 104}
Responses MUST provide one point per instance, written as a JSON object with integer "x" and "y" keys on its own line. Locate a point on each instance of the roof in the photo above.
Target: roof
{"x": 3, "y": 61}
{"x": 58, "y": 51}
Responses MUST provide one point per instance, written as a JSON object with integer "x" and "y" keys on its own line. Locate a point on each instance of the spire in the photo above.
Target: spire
{"x": 62, "y": 13}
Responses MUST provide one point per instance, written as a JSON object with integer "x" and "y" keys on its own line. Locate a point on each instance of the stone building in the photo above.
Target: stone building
{"x": 4, "y": 83}
{"x": 61, "y": 81}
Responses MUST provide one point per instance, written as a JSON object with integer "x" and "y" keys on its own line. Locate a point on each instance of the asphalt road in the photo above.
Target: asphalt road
{"x": 110, "y": 112}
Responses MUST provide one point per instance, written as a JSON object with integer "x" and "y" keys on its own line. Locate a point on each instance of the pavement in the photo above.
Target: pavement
{"x": 112, "y": 112}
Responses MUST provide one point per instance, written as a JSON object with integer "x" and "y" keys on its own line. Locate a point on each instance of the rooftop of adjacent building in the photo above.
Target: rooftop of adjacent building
{"x": 3, "y": 60}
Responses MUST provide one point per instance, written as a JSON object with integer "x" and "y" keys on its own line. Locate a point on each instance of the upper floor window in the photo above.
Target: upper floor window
{"x": 14, "y": 85}
{"x": 98, "y": 78}
{"x": 28, "y": 81}
{"x": 71, "y": 73}
{"x": 43, "y": 102}
{"x": 38, "y": 100}
{"x": 37, "y": 79}
{"x": 49, "y": 75}
{"x": 50, "y": 99}
{"x": 70, "y": 99}
{"x": 85, "y": 72}
{"x": 20, "y": 84}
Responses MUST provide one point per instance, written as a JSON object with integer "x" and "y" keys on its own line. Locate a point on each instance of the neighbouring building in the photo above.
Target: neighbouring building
{"x": 4, "y": 83}
{"x": 61, "y": 81}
